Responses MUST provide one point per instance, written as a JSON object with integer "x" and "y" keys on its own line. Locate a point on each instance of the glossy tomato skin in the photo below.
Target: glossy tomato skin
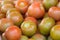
{"x": 22, "y": 5}
{"x": 55, "y": 32}
{"x": 4, "y": 24}
{"x": 36, "y": 10}
{"x": 24, "y": 37}
{"x": 6, "y": 7}
{"x": 28, "y": 28}
{"x": 13, "y": 33}
{"x": 38, "y": 37}
{"x": 15, "y": 16}
{"x": 46, "y": 25}
{"x": 31, "y": 19}
{"x": 54, "y": 12}
{"x": 49, "y": 3}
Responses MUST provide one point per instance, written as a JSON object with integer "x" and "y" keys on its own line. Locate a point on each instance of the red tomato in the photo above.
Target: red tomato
{"x": 54, "y": 12}
{"x": 22, "y": 5}
{"x": 31, "y": 19}
{"x": 13, "y": 33}
{"x": 36, "y": 10}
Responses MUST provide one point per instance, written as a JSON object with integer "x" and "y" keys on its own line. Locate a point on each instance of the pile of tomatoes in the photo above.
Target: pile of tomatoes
{"x": 30, "y": 20}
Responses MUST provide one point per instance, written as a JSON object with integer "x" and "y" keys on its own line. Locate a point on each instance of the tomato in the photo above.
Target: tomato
{"x": 31, "y": 19}
{"x": 46, "y": 25}
{"x": 55, "y": 32}
{"x": 14, "y": 15}
{"x": 28, "y": 28}
{"x": 22, "y": 5}
{"x": 54, "y": 12}
{"x": 49, "y": 3}
{"x": 4, "y": 24}
{"x": 38, "y": 37}
{"x": 36, "y": 10}
{"x": 6, "y": 2}
{"x": 58, "y": 5}
{"x": 24, "y": 37}
{"x": 31, "y": 39}
{"x": 13, "y": 33}
{"x": 3, "y": 36}
{"x": 58, "y": 22}
{"x": 6, "y": 7}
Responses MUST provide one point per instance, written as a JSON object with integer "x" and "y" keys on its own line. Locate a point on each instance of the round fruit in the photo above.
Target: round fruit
{"x": 3, "y": 36}
{"x": 49, "y": 3}
{"x": 13, "y": 33}
{"x": 54, "y": 12}
{"x": 36, "y": 10}
{"x": 6, "y": 2}
{"x": 31, "y": 19}
{"x": 22, "y": 5}
{"x": 38, "y": 37}
{"x": 6, "y": 7}
{"x": 4, "y": 24}
{"x": 55, "y": 32}
{"x": 15, "y": 16}
{"x": 45, "y": 25}
{"x": 49, "y": 38}
{"x": 24, "y": 37}
{"x": 28, "y": 28}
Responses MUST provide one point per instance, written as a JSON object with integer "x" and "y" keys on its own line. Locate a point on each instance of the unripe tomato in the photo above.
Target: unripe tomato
{"x": 31, "y": 19}
{"x": 15, "y": 16}
{"x": 46, "y": 25}
{"x": 4, "y": 24}
{"x": 49, "y": 3}
{"x": 55, "y": 32}
{"x": 28, "y": 28}
{"x": 22, "y": 5}
{"x": 6, "y": 7}
{"x": 36, "y": 10}
{"x": 54, "y": 12}
{"x": 13, "y": 33}
{"x": 24, "y": 37}
{"x": 38, "y": 37}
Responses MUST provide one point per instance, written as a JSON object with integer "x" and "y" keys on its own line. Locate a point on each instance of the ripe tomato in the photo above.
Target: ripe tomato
{"x": 13, "y": 33}
{"x": 31, "y": 19}
{"x": 22, "y": 5}
{"x": 4, "y": 24}
{"x": 36, "y": 10}
{"x": 54, "y": 12}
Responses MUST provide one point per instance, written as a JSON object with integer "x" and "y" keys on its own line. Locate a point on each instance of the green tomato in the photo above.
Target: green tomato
{"x": 55, "y": 32}
{"x": 24, "y": 37}
{"x": 38, "y": 37}
{"x": 15, "y": 16}
{"x": 46, "y": 25}
{"x": 49, "y": 3}
{"x": 28, "y": 28}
